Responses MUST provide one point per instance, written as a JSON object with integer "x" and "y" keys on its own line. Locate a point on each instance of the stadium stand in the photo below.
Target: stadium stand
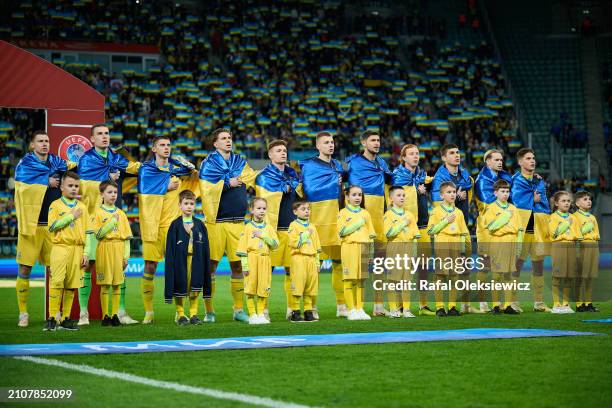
{"x": 421, "y": 72}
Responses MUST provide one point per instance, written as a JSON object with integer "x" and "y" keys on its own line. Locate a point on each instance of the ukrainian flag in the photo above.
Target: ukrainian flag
{"x": 271, "y": 183}
{"x": 158, "y": 206}
{"x": 215, "y": 172}
{"x": 371, "y": 176}
{"x": 322, "y": 185}
{"x": 94, "y": 169}
{"x": 31, "y": 182}
{"x": 464, "y": 182}
{"x": 410, "y": 181}
{"x": 483, "y": 188}
{"x": 521, "y": 195}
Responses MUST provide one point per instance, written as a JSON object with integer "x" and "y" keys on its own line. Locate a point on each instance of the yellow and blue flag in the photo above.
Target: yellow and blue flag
{"x": 215, "y": 173}
{"x": 31, "y": 182}
{"x": 410, "y": 181}
{"x": 271, "y": 183}
{"x": 483, "y": 188}
{"x": 93, "y": 169}
{"x": 521, "y": 195}
{"x": 158, "y": 207}
{"x": 371, "y": 175}
{"x": 462, "y": 180}
{"x": 322, "y": 185}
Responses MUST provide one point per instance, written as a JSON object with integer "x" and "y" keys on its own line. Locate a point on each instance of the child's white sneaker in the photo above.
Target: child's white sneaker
{"x": 363, "y": 315}
{"x": 395, "y": 313}
{"x": 408, "y": 313}
{"x": 124, "y": 318}
{"x": 84, "y": 319}
{"x": 341, "y": 311}
{"x": 24, "y": 320}
{"x": 352, "y": 315}
{"x": 254, "y": 319}
{"x": 557, "y": 310}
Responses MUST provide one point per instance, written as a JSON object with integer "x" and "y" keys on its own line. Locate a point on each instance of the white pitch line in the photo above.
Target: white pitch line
{"x": 224, "y": 395}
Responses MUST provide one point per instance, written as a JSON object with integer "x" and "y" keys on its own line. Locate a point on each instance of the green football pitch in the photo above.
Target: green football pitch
{"x": 559, "y": 372}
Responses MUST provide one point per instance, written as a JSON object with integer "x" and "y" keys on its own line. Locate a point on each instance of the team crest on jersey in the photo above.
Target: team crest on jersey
{"x": 73, "y": 147}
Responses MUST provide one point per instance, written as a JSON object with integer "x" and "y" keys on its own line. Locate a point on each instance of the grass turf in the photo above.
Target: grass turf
{"x": 568, "y": 371}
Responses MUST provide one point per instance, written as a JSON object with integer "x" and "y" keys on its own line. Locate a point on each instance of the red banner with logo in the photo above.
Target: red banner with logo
{"x": 70, "y": 130}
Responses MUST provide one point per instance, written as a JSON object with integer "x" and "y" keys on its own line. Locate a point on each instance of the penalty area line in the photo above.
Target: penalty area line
{"x": 209, "y": 392}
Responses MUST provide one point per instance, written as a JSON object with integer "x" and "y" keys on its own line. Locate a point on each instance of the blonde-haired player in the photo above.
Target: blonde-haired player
{"x": 111, "y": 228}
{"x": 305, "y": 250}
{"x": 68, "y": 227}
{"x": 256, "y": 241}
{"x": 402, "y": 233}
{"x": 564, "y": 231}
{"x": 414, "y": 179}
{"x": 357, "y": 235}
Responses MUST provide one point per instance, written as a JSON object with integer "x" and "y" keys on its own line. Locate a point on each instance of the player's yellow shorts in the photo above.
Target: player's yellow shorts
{"x": 258, "y": 280}
{"x": 109, "y": 264}
{"x": 32, "y": 248}
{"x": 353, "y": 266}
{"x": 281, "y": 256}
{"x": 66, "y": 272}
{"x": 154, "y": 250}
{"x": 531, "y": 248}
{"x": 331, "y": 252}
{"x": 563, "y": 256}
{"x": 304, "y": 275}
{"x": 589, "y": 260}
{"x": 223, "y": 238}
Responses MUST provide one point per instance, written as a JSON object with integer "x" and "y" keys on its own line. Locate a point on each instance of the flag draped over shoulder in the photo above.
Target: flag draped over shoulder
{"x": 31, "y": 182}
{"x": 521, "y": 195}
{"x": 322, "y": 185}
{"x": 410, "y": 181}
{"x": 215, "y": 173}
{"x": 94, "y": 169}
{"x": 152, "y": 188}
{"x": 462, "y": 180}
{"x": 522, "y": 191}
{"x": 368, "y": 174}
{"x": 271, "y": 183}
{"x": 484, "y": 185}
{"x": 321, "y": 181}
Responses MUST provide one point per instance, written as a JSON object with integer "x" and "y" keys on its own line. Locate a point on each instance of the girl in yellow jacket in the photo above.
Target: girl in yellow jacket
{"x": 564, "y": 232}
{"x": 357, "y": 235}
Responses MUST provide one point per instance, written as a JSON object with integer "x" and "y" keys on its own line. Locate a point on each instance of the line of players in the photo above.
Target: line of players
{"x": 222, "y": 183}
